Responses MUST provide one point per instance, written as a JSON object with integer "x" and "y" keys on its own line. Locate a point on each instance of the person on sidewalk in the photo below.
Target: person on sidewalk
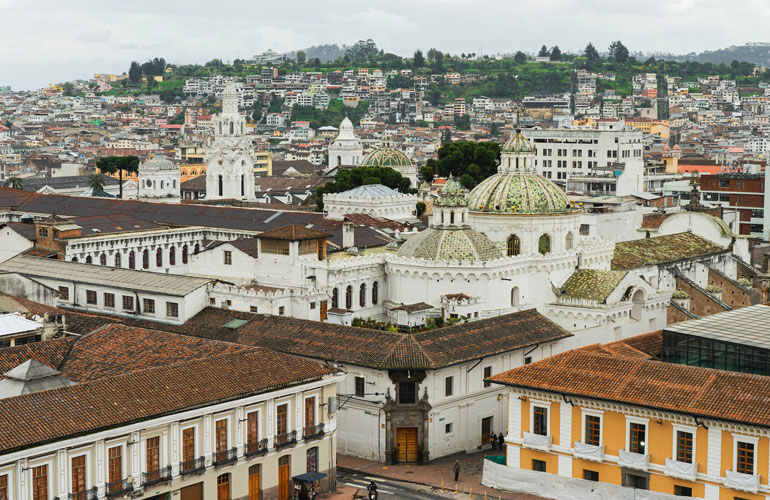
{"x": 500, "y": 441}
{"x": 457, "y": 469}
{"x": 493, "y": 440}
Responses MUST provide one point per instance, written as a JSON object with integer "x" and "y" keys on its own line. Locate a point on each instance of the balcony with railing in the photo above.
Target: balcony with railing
{"x": 117, "y": 488}
{"x": 193, "y": 466}
{"x": 681, "y": 470}
{"x": 284, "y": 440}
{"x": 741, "y": 481}
{"x": 225, "y": 457}
{"x": 631, "y": 460}
{"x": 537, "y": 441}
{"x": 591, "y": 452}
{"x": 256, "y": 448}
{"x": 313, "y": 432}
{"x": 161, "y": 475}
{"x": 89, "y": 494}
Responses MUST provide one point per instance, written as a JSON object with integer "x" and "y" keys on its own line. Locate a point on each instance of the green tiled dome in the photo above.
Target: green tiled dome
{"x": 451, "y": 195}
{"x": 519, "y": 193}
{"x": 518, "y": 144}
{"x": 450, "y": 244}
{"x": 386, "y": 157}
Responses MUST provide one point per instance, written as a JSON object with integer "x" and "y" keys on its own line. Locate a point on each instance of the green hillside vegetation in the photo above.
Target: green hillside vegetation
{"x": 333, "y": 115}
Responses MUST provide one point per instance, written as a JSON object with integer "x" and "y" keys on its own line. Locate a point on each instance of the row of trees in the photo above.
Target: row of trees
{"x": 153, "y": 67}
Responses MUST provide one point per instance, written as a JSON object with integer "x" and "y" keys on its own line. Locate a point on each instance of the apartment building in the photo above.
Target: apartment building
{"x": 190, "y": 419}
{"x": 665, "y": 431}
{"x": 746, "y": 193}
{"x": 606, "y": 160}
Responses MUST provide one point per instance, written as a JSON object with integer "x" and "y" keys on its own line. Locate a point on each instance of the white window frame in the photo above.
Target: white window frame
{"x": 124, "y": 458}
{"x": 75, "y": 454}
{"x": 317, "y": 397}
{"x": 53, "y": 475}
{"x": 593, "y": 413}
{"x": 196, "y": 448}
{"x": 214, "y": 421}
{"x": 744, "y": 439}
{"x": 163, "y": 459}
{"x": 684, "y": 428}
{"x": 289, "y": 427}
{"x": 543, "y": 404}
{"x": 9, "y": 471}
{"x": 246, "y": 412}
{"x": 638, "y": 420}
{"x": 453, "y": 386}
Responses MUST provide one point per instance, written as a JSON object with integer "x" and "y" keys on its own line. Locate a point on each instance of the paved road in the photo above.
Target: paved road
{"x": 390, "y": 489}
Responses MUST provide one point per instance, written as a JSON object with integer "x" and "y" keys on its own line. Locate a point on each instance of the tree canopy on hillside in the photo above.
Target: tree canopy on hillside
{"x": 477, "y": 160}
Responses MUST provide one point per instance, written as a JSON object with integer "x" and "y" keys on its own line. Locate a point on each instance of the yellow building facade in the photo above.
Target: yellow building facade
{"x": 635, "y": 448}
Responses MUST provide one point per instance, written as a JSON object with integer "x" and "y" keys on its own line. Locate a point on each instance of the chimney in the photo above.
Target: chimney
{"x": 348, "y": 234}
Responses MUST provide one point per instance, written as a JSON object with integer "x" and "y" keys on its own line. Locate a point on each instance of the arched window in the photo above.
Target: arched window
{"x": 232, "y": 129}
{"x": 197, "y": 249}
{"x": 172, "y": 256}
{"x": 312, "y": 459}
{"x": 193, "y": 172}
{"x": 243, "y": 190}
{"x": 515, "y": 296}
{"x": 131, "y": 260}
{"x": 74, "y": 259}
{"x": 103, "y": 260}
{"x": 514, "y": 245}
{"x": 173, "y": 184}
{"x": 117, "y": 259}
{"x": 544, "y": 244}
{"x": 159, "y": 258}
{"x": 569, "y": 242}
{"x": 220, "y": 128}
{"x": 442, "y": 217}
{"x": 335, "y": 298}
{"x": 375, "y": 293}
{"x": 184, "y": 254}
{"x": 161, "y": 184}
{"x": 349, "y": 297}
{"x": 89, "y": 260}
{"x": 637, "y": 305}
{"x": 223, "y": 486}
{"x": 451, "y": 217}
{"x": 221, "y": 190}
{"x": 339, "y": 160}
{"x": 146, "y": 259}
{"x": 362, "y": 295}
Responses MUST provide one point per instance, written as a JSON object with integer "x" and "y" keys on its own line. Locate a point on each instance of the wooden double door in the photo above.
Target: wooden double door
{"x": 406, "y": 443}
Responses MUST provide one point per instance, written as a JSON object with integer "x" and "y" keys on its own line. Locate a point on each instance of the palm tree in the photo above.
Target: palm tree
{"x": 96, "y": 183}
{"x": 14, "y": 183}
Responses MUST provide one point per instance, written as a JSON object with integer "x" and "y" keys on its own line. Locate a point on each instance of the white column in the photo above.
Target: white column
{"x": 714, "y": 452}
{"x": 174, "y": 448}
{"x": 514, "y": 455}
{"x": 136, "y": 465}
{"x": 208, "y": 422}
{"x": 565, "y": 465}
{"x": 22, "y": 488}
{"x": 711, "y": 492}
{"x": 61, "y": 467}
{"x": 565, "y": 422}
{"x": 99, "y": 461}
{"x": 514, "y": 416}
{"x": 238, "y": 427}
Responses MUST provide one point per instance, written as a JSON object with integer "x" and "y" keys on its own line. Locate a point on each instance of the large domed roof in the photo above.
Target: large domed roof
{"x": 450, "y": 244}
{"x": 520, "y": 193}
{"x": 386, "y": 157}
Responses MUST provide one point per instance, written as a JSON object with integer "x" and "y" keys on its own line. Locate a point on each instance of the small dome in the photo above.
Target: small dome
{"x": 518, "y": 193}
{"x": 371, "y": 191}
{"x": 518, "y": 144}
{"x": 450, "y": 244}
{"x": 386, "y": 157}
{"x": 451, "y": 195}
{"x": 158, "y": 162}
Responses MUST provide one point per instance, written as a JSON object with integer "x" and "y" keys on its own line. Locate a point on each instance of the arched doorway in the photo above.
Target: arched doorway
{"x": 569, "y": 242}
{"x": 544, "y": 244}
{"x": 637, "y": 304}
{"x": 515, "y": 296}
{"x": 514, "y": 245}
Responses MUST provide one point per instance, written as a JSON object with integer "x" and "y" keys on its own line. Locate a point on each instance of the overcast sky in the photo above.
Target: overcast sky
{"x": 46, "y": 41}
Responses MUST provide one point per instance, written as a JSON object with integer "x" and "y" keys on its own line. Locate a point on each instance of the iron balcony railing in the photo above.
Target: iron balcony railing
{"x": 225, "y": 457}
{"x": 156, "y": 476}
{"x": 192, "y": 466}
{"x": 313, "y": 432}
{"x": 284, "y": 440}
{"x": 117, "y": 488}
{"x": 256, "y": 448}
{"x": 90, "y": 494}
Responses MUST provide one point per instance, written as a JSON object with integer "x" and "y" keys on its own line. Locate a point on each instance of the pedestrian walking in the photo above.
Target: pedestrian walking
{"x": 500, "y": 441}
{"x": 457, "y": 469}
{"x": 493, "y": 440}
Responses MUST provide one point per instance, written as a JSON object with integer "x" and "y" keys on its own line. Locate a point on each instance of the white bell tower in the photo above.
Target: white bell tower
{"x": 229, "y": 160}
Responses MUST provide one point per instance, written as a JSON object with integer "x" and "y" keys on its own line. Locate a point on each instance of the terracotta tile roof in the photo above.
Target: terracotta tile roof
{"x": 703, "y": 392}
{"x": 50, "y": 353}
{"x": 379, "y": 223}
{"x": 293, "y": 232}
{"x": 661, "y": 249}
{"x": 592, "y": 284}
{"x": 374, "y": 348}
{"x": 102, "y": 404}
{"x": 416, "y": 307}
{"x": 195, "y": 184}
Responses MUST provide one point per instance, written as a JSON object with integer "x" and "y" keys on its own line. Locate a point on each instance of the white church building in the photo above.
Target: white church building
{"x": 346, "y": 148}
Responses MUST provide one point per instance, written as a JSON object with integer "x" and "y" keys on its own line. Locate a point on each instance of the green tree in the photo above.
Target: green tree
{"x": 400, "y": 81}
{"x": 354, "y": 177}
{"x": 543, "y": 52}
{"x": 421, "y": 207}
{"x": 520, "y": 57}
{"x": 301, "y": 58}
{"x": 463, "y": 122}
{"x": 555, "y": 54}
{"x": 427, "y": 173}
{"x": 118, "y": 164}
{"x": 68, "y": 89}
{"x": 362, "y": 51}
{"x": 590, "y": 52}
{"x": 477, "y": 159}
{"x": 135, "y": 72}
{"x": 14, "y": 183}
{"x": 467, "y": 181}
{"x": 419, "y": 59}
{"x": 618, "y": 52}
{"x": 96, "y": 183}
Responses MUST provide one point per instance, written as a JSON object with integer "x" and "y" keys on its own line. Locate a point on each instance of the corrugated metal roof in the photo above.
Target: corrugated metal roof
{"x": 11, "y": 324}
{"x": 146, "y": 281}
